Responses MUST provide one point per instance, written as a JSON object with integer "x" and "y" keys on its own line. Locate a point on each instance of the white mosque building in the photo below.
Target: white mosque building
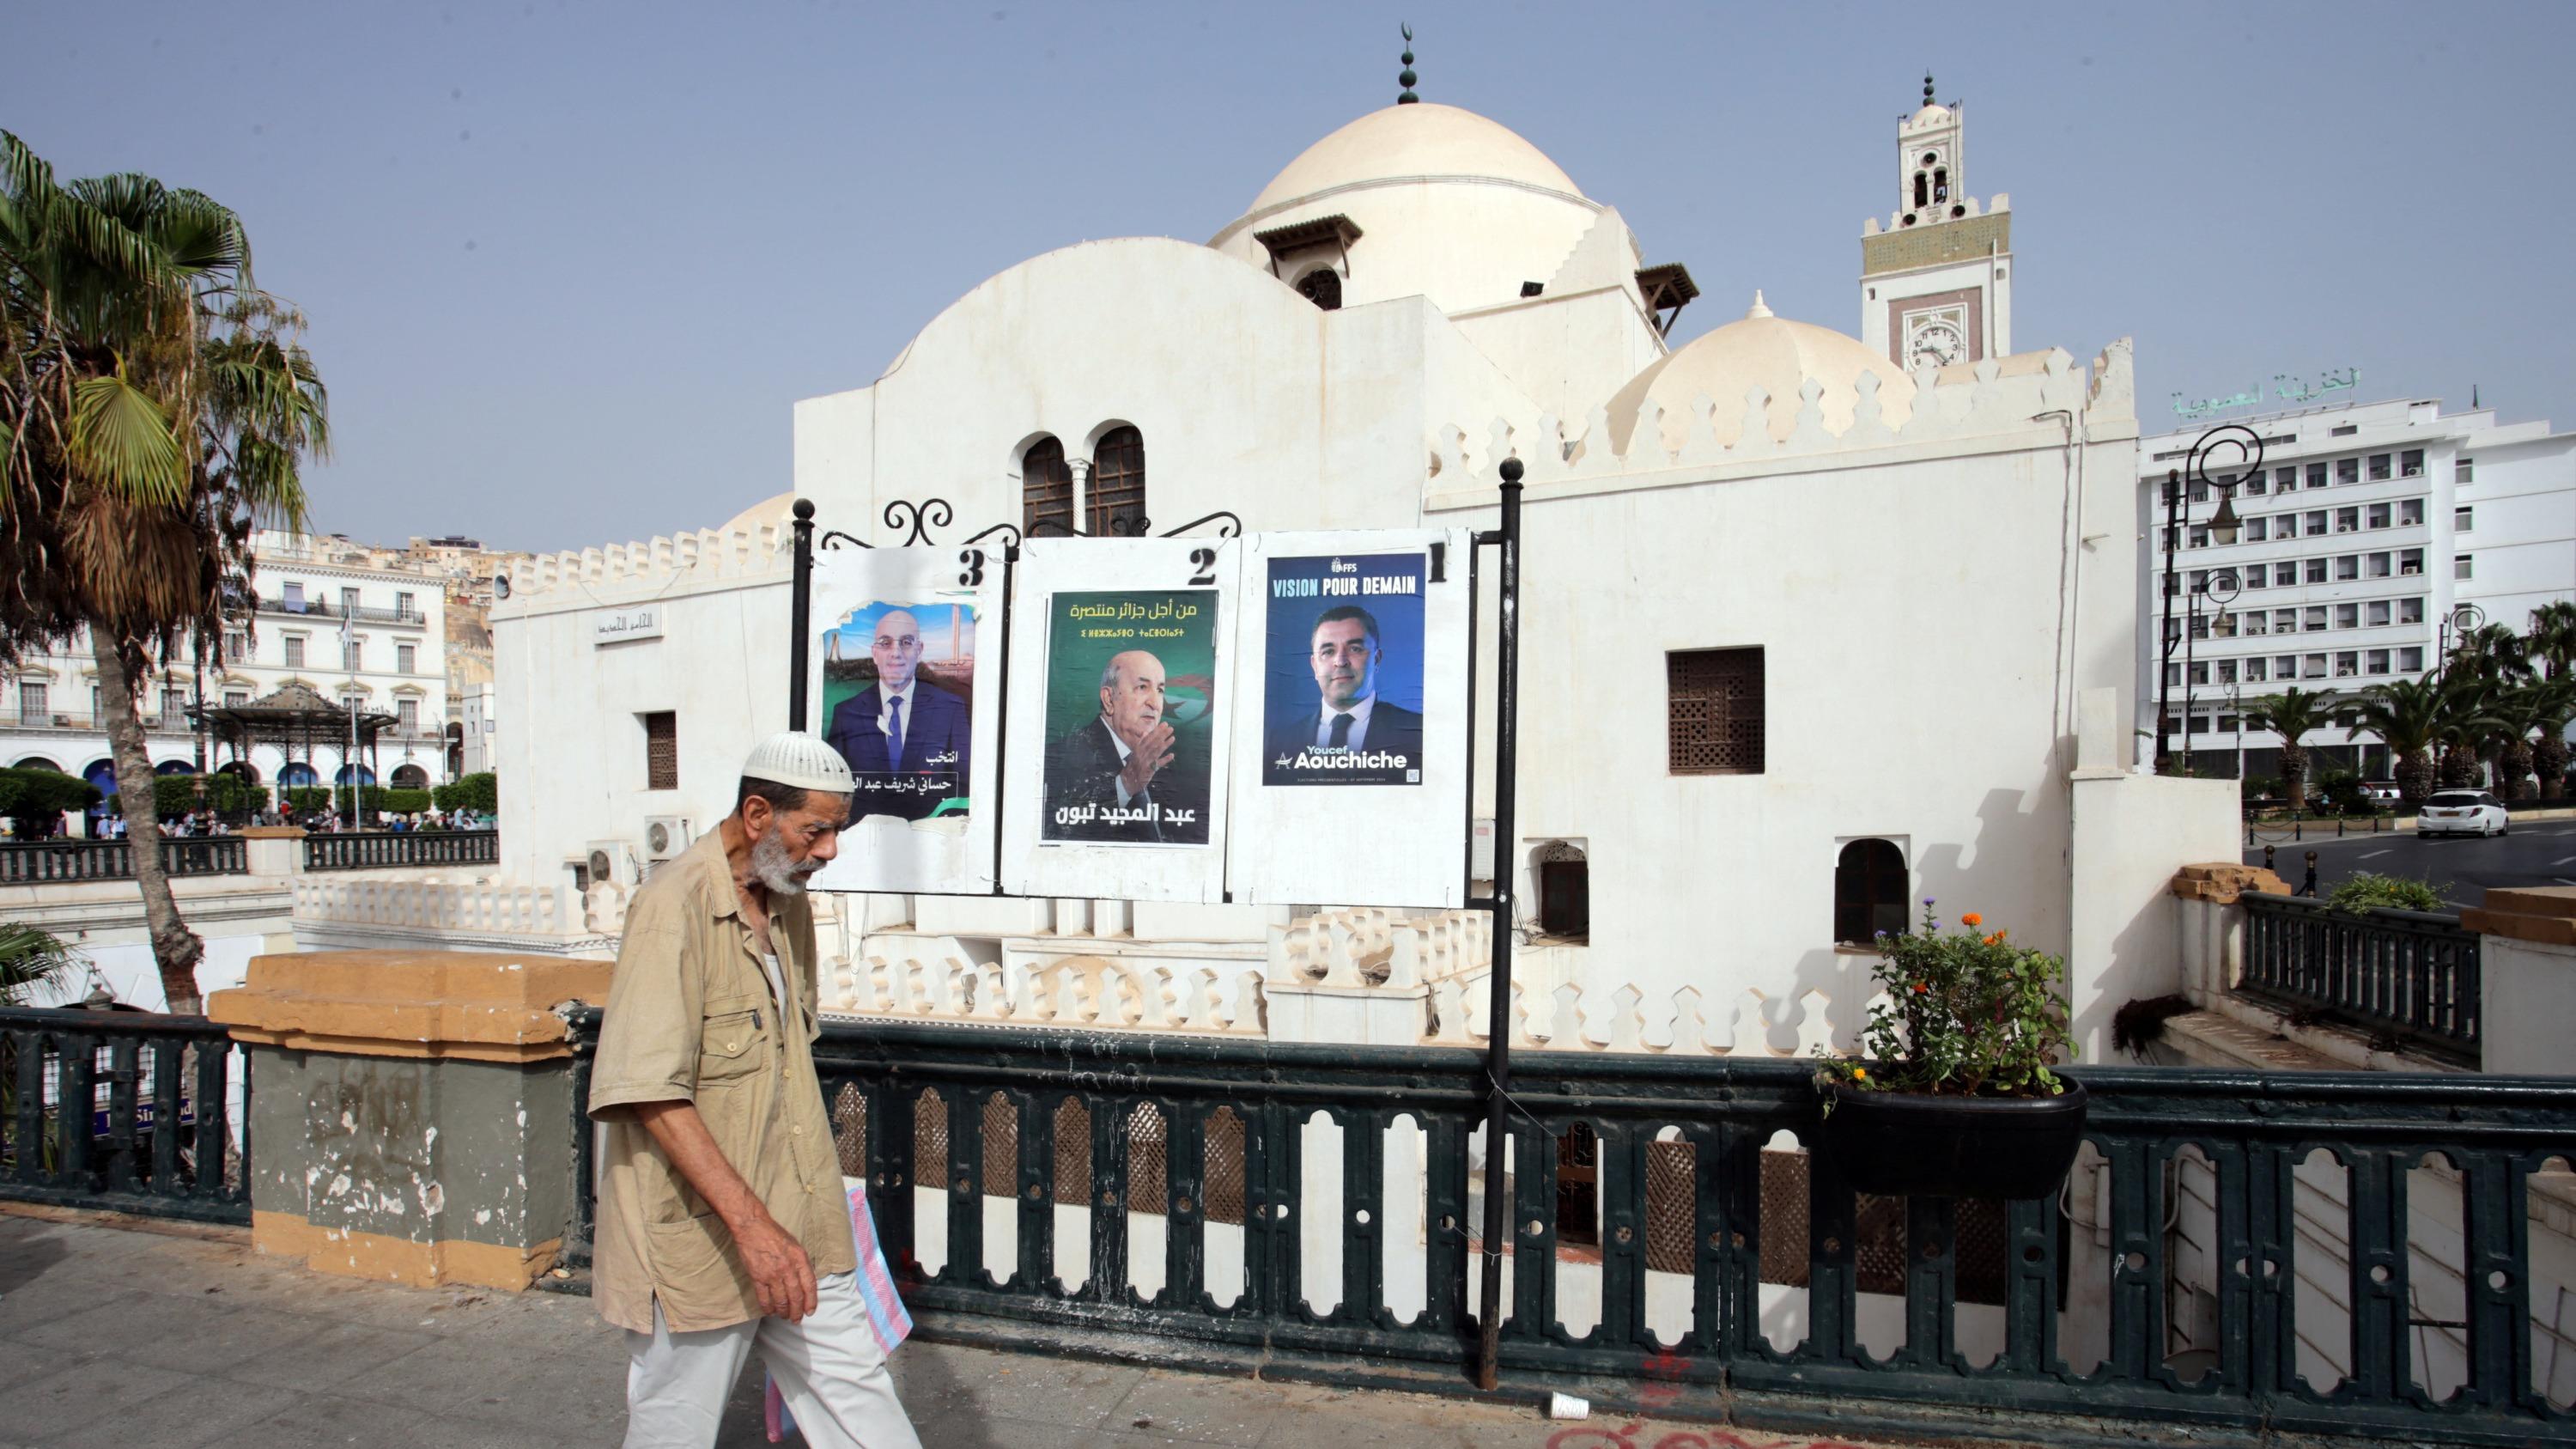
{"x": 1816, "y": 626}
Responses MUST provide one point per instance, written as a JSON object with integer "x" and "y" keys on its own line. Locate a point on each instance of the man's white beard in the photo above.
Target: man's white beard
{"x": 778, "y": 870}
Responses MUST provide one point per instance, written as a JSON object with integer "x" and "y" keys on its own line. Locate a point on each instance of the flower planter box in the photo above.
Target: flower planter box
{"x": 1909, "y": 1144}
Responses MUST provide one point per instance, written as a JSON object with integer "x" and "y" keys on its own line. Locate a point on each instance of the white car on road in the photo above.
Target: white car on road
{"x": 2461, "y": 812}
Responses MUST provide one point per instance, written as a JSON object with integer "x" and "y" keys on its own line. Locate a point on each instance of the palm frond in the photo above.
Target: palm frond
{"x": 121, "y": 441}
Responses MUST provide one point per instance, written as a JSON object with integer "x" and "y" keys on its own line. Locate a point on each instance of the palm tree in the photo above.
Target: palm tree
{"x": 2514, "y": 715}
{"x": 2493, "y": 652}
{"x": 155, "y": 408}
{"x": 2293, "y": 714}
{"x": 2466, "y": 724}
{"x": 2549, "y": 755}
{"x": 2408, "y": 715}
{"x": 2552, "y": 639}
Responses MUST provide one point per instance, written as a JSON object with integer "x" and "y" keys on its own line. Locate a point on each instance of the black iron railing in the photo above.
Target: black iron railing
{"x": 43, "y": 861}
{"x": 1309, "y": 1210}
{"x": 382, "y": 849}
{"x": 128, "y": 1111}
{"x": 2405, "y": 974}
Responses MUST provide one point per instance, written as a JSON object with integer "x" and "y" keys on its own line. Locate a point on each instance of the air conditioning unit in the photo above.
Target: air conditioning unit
{"x": 665, "y": 836}
{"x": 613, "y": 861}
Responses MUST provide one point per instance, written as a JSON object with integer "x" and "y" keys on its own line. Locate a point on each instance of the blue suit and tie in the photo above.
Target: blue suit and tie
{"x": 930, "y": 725}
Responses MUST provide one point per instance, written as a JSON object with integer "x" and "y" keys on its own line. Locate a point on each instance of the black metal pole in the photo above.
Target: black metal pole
{"x": 1498, "y": 1043}
{"x": 2191, "y": 622}
{"x": 801, "y": 608}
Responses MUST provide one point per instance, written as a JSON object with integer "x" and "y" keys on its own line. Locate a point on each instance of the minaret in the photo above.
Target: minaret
{"x": 1936, "y": 282}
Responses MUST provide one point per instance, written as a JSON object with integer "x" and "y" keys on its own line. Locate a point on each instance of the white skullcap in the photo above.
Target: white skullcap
{"x": 799, "y": 759}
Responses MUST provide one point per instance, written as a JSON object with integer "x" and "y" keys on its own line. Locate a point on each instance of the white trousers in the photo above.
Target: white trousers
{"x": 829, "y": 1370}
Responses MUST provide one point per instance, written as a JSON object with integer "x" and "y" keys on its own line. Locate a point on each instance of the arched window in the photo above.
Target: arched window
{"x": 1922, "y": 190}
{"x": 1564, "y": 890}
{"x": 1869, "y": 891}
{"x": 1117, "y": 496}
{"x": 1046, "y": 486}
{"x": 1323, "y": 287}
{"x": 298, "y": 775}
{"x": 409, "y": 777}
{"x": 1941, "y": 184}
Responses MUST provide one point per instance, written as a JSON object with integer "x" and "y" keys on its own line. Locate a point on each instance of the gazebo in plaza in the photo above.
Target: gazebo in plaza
{"x": 297, "y": 720}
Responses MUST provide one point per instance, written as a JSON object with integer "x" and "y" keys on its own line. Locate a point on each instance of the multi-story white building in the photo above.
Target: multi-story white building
{"x": 304, "y": 588}
{"x": 2365, "y": 540}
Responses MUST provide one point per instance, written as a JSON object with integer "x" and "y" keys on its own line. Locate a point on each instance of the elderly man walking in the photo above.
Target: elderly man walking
{"x": 723, "y": 1224}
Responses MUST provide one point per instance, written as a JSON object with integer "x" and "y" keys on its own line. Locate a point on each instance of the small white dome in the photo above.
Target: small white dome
{"x": 1768, "y": 352}
{"x": 1929, "y": 114}
{"x": 1415, "y": 140}
{"x": 768, "y": 510}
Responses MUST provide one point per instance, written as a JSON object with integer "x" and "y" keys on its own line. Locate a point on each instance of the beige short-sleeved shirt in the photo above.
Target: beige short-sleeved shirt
{"x": 691, "y": 1017}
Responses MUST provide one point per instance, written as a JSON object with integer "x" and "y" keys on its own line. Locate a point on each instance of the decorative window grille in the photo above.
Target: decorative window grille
{"x": 662, "y": 750}
{"x": 1117, "y": 496}
{"x": 1046, "y": 486}
{"x": 1716, "y": 709}
{"x": 1323, "y": 287}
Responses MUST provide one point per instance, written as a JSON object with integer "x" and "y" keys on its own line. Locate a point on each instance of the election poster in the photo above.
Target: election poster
{"x": 1342, "y": 674}
{"x": 1122, "y": 718}
{"x": 907, "y": 683}
{"x": 1352, "y": 768}
{"x": 1131, "y": 694}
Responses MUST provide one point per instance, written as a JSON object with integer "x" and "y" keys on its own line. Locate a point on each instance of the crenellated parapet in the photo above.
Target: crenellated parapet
{"x": 1959, "y": 404}
{"x": 730, "y": 553}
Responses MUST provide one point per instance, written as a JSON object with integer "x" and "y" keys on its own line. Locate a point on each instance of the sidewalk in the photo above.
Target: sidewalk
{"x": 178, "y": 1337}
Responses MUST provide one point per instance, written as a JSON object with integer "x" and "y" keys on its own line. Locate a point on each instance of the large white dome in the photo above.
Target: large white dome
{"x": 1418, "y": 200}
{"x": 1413, "y": 143}
{"x": 1769, "y": 352}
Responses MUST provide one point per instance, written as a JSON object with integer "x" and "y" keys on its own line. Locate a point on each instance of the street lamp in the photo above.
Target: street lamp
{"x": 2220, "y": 590}
{"x": 2462, "y": 623}
{"x": 2223, "y": 530}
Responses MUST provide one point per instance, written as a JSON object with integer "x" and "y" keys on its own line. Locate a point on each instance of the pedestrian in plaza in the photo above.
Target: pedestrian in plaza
{"x": 723, "y": 1224}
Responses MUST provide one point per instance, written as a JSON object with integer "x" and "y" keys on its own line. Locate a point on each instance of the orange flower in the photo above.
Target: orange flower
{"x": 1996, "y": 939}
{"x": 1860, "y": 1074}
{"x": 1972, "y": 919}
{"x": 1920, "y": 988}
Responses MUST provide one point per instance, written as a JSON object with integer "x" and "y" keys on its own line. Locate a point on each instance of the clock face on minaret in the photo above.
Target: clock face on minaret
{"x": 1937, "y": 343}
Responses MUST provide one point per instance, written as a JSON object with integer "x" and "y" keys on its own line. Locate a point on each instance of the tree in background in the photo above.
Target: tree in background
{"x": 155, "y": 408}
{"x": 2513, "y": 716}
{"x": 34, "y": 800}
{"x": 2552, "y": 640}
{"x": 2293, "y": 714}
{"x": 2408, "y": 716}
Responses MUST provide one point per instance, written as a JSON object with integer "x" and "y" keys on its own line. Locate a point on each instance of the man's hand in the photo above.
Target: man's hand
{"x": 1148, "y": 755}
{"x": 779, "y": 1270}
{"x": 781, "y": 1274}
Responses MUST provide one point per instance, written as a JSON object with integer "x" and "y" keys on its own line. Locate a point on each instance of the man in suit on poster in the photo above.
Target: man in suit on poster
{"x": 904, "y": 737}
{"x": 1120, "y": 777}
{"x": 1345, "y": 656}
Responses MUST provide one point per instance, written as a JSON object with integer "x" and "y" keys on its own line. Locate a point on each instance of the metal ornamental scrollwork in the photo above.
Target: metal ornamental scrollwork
{"x": 919, "y": 518}
{"x": 2249, "y": 453}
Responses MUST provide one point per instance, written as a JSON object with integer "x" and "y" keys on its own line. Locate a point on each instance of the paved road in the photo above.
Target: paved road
{"x": 2536, "y": 853}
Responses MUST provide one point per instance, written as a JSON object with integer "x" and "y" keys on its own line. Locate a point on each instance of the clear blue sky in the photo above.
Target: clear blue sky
{"x": 569, "y": 263}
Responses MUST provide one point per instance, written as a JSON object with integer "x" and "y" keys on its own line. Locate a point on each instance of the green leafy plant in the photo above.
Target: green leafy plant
{"x": 36, "y": 797}
{"x": 28, "y": 959}
{"x": 2367, "y": 892}
{"x": 479, "y": 792}
{"x": 1966, "y": 1014}
{"x": 2343, "y": 793}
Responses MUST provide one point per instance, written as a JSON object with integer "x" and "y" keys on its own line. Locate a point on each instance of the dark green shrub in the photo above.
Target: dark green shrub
{"x": 479, "y": 792}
